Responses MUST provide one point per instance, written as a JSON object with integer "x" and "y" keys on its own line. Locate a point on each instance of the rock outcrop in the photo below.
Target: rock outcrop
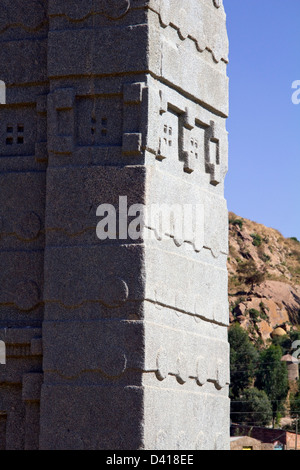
{"x": 264, "y": 279}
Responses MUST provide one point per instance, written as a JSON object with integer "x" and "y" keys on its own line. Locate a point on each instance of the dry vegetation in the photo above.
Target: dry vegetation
{"x": 279, "y": 257}
{"x": 264, "y": 278}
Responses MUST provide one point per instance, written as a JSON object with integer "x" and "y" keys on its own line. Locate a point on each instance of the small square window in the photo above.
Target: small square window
{"x": 9, "y": 141}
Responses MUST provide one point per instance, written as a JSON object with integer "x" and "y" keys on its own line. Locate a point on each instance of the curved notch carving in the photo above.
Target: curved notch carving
{"x": 31, "y": 15}
{"x": 113, "y": 9}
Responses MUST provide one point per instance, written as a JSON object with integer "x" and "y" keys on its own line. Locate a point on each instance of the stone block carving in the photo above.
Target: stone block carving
{"x": 31, "y": 16}
{"x": 117, "y": 342}
{"x": 18, "y": 131}
{"x": 198, "y": 22}
{"x": 113, "y": 9}
{"x": 104, "y": 118}
{"x": 169, "y": 136}
{"x": 132, "y": 143}
{"x": 23, "y": 159}
{"x": 41, "y": 154}
{"x": 215, "y": 153}
{"x": 31, "y": 389}
{"x": 61, "y": 121}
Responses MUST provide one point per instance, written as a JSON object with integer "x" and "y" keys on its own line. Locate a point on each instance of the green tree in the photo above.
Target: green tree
{"x": 295, "y": 403}
{"x": 272, "y": 377}
{"x": 286, "y": 342}
{"x": 238, "y": 222}
{"x": 243, "y": 359}
{"x": 249, "y": 274}
{"x": 257, "y": 240}
{"x": 252, "y": 407}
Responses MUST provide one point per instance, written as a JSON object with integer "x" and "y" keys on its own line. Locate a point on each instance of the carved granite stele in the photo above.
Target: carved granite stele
{"x": 122, "y": 343}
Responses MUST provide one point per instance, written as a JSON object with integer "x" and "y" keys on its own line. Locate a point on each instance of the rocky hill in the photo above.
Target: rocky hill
{"x": 264, "y": 279}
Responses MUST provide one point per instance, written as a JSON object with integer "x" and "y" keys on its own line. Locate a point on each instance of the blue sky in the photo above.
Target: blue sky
{"x": 263, "y": 182}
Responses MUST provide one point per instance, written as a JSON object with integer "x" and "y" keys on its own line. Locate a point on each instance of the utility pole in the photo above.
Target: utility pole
{"x": 296, "y": 440}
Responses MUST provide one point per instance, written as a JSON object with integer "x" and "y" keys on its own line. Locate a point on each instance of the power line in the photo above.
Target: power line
{"x": 253, "y": 401}
{"x": 258, "y": 412}
{"x": 247, "y": 370}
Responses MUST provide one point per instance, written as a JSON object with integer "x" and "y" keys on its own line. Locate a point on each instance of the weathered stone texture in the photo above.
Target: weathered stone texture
{"x": 23, "y": 164}
{"x": 126, "y": 339}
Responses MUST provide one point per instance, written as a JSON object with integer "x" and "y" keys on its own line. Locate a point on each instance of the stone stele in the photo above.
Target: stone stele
{"x": 118, "y": 343}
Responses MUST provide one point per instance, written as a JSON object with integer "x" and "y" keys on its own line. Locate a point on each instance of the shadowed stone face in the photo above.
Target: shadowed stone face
{"x": 29, "y": 15}
{"x": 117, "y": 342}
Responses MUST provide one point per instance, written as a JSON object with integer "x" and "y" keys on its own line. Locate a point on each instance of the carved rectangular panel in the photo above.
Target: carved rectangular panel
{"x": 99, "y": 121}
{"x": 61, "y": 121}
{"x": 194, "y": 149}
{"x": 169, "y": 135}
{"x": 17, "y": 130}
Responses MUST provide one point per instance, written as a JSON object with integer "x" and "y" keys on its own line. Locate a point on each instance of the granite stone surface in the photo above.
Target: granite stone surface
{"x": 120, "y": 342}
